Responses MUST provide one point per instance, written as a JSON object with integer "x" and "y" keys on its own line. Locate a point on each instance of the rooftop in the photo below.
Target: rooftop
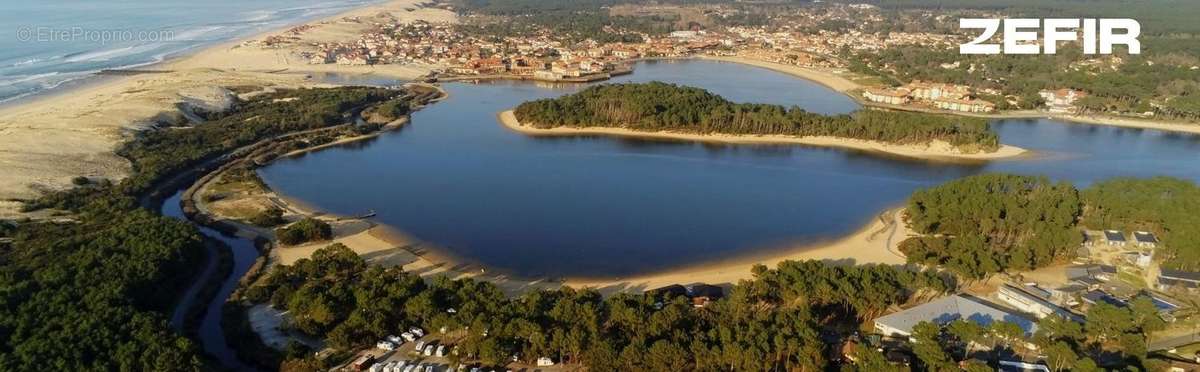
{"x": 1190, "y": 276}
{"x": 1114, "y": 236}
{"x": 1144, "y": 237}
{"x": 950, "y": 308}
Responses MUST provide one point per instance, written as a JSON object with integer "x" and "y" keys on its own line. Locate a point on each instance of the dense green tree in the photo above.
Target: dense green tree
{"x": 666, "y": 107}
{"x": 764, "y": 324}
{"x": 1162, "y": 205}
{"x": 306, "y": 230}
{"x": 926, "y": 344}
{"x": 987, "y": 223}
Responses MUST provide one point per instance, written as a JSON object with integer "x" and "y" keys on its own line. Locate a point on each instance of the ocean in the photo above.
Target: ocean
{"x": 51, "y": 45}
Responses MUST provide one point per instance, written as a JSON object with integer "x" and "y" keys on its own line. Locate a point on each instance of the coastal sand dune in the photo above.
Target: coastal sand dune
{"x": 46, "y": 142}
{"x": 934, "y": 150}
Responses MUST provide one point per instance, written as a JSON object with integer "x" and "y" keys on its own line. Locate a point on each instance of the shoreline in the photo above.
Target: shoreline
{"x": 876, "y": 242}
{"x": 935, "y": 150}
{"x": 51, "y": 138}
{"x": 846, "y": 86}
{"x": 827, "y": 79}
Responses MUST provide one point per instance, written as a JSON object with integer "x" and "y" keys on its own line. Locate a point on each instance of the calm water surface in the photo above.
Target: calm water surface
{"x": 211, "y": 335}
{"x": 597, "y": 206}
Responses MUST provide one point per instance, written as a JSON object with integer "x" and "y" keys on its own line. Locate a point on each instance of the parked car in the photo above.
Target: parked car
{"x": 417, "y": 331}
{"x": 428, "y": 350}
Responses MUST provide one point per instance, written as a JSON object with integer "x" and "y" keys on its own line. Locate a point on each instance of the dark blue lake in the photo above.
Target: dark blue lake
{"x": 599, "y": 206}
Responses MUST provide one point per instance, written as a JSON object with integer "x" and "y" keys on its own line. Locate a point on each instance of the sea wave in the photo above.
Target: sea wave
{"x": 35, "y": 84}
{"x": 18, "y": 79}
{"x": 195, "y": 34}
{"x": 101, "y": 55}
{"x": 26, "y": 62}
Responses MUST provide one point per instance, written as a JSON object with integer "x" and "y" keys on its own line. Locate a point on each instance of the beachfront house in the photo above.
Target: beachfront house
{"x": 888, "y": 96}
{"x": 945, "y": 310}
{"x": 1145, "y": 239}
{"x": 1114, "y": 238}
{"x": 668, "y": 292}
{"x": 703, "y": 294}
{"x": 964, "y": 105}
{"x": 1061, "y": 100}
{"x": 1090, "y": 239}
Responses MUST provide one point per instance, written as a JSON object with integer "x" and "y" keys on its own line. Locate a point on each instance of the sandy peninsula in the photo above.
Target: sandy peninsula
{"x": 935, "y": 150}
{"x": 47, "y": 141}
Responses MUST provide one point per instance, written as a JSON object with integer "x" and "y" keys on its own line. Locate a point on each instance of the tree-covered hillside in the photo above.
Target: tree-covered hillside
{"x": 659, "y": 106}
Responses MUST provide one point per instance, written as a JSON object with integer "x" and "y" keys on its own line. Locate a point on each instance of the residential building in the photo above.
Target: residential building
{"x": 668, "y": 292}
{"x": 964, "y": 105}
{"x": 945, "y": 310}
{"x": 1168, "y": 278}
{"x": 1114, "y": 238}
{"x": 1145, "y": 239}
{"x": 888, "y": 96}
{"x": 703, "y": 294}
{"x": 936, "y": 91}
{"x": 1061, "y": 100}
{"x": 1033, "y": 300}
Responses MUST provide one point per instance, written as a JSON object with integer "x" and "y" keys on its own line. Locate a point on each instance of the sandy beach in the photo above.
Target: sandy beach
{"x": 935, "y": 150}
{"x": 47, "y": 141}
{"x": 1131, "y": 123}
{"x": 875, "y": 243}
{"x": 828, "y": 79}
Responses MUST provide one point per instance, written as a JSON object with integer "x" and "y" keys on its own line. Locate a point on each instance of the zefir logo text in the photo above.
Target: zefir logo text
{"x": 1021, "y": 35}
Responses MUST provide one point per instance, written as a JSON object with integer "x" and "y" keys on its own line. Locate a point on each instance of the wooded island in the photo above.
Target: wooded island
{"x": 657, "y": 107}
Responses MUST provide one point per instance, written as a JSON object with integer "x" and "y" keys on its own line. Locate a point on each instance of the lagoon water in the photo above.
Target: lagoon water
{"x": 600, "y": 206}
{"x": 51, "y": 44}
